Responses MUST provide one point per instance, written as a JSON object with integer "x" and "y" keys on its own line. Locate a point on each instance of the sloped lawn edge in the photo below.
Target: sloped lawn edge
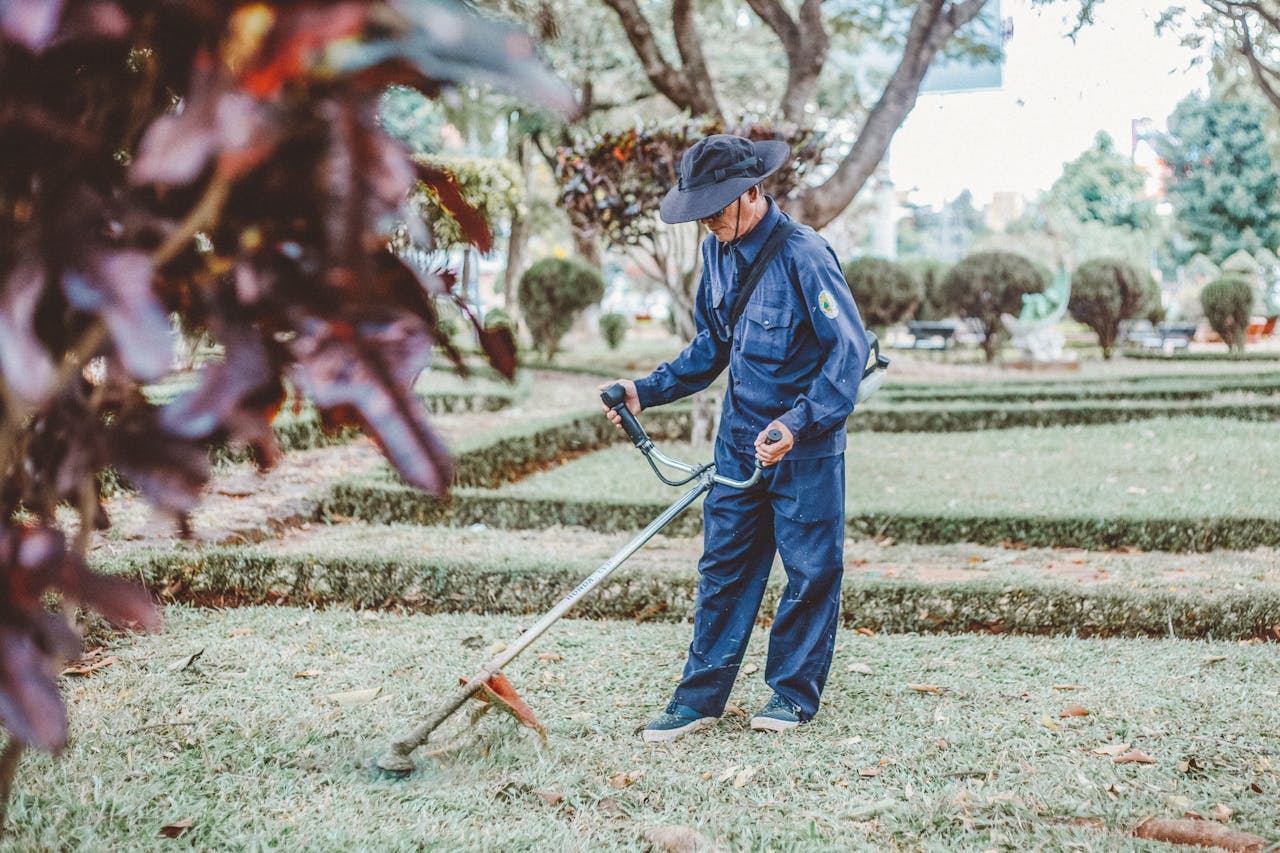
{"x": 455, "y": 584}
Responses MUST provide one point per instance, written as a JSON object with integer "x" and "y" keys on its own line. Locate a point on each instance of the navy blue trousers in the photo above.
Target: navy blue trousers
{"x": 797, "y": 511}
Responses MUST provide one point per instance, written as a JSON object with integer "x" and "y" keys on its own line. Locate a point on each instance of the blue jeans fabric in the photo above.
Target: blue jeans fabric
{"x": 796, "y": 511}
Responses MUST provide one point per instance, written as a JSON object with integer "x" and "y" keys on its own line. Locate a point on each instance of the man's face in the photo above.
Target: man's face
{"x": 725, "y": 223}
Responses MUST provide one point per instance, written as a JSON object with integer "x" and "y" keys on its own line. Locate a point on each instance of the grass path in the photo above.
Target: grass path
{"x": 257, "y": 725}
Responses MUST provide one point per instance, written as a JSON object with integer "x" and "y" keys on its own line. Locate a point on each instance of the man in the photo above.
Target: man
{"x": 795, "y": 357}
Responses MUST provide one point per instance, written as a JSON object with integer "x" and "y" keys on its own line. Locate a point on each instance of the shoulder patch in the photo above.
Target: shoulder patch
{"x": 827, "y": 305}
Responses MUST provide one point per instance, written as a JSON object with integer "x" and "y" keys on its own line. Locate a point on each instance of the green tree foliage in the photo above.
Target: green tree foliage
{"x": 987, "y": 284}
{"x": 1224, "y": 185}
{"x": 1102, "y": 185}
{"x": 1106, "y": 291}
{"x": 1226, "y": 303}
{"x": 553, "y": 292}
{"x": 884, "y": 291}
{"x": 930, "y": 273}
{"x": 613, "y": 328}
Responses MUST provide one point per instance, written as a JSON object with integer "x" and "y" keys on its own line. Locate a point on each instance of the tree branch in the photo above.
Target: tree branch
{"x": 689, "y": 43}
{"x": 932, "y": 24}
{"x": 805, "y": 43}
{"x": 666, "y": 78}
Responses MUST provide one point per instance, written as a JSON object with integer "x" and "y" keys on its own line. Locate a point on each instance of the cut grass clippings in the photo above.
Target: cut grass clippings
{"x": 255, "y": 727}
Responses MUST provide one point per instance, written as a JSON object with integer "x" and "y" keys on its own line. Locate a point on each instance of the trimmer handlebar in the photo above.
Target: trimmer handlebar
{"x": 615, "y": 397}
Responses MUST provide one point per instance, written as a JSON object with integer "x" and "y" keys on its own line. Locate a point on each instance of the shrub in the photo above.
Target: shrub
{"x": 987, "y": 284}
{"x": 1226, "y": 304}
{"x": 496, "y": 318}
{"x": 884, "y": 291}
{"x": 1105, "y": 291}
{"x": 930, "y": 273}
{"x": 1153, "y": 309}
{"x": 553, "y": 292}
{"x": 613, "y": 327}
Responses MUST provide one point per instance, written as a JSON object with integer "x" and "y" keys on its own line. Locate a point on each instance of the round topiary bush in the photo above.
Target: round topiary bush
{"x": 1105, "y": 291}
{"x": 987, "y": 284}
{"x": 613, "y": 327}
{"x": 929, "y": 272}
{"x": 884, "y": 292}
{"x": 496, "y": 318}
{"x": 553, "y": 292}
{"x": 1226, "y": 304}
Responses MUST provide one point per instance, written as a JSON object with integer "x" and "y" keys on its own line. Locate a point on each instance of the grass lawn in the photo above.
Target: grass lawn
{"x": 263, "y": 739}
{"x": 1183, "y": 467}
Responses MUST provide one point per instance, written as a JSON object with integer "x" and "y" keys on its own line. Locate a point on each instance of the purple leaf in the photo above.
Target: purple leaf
{"x": 31, "y": 23}
{"x": 30, "y": 706}
{"x": 24, "y": 363}
{"x": 370, "y": 367}
{"x": 116, "y": 285}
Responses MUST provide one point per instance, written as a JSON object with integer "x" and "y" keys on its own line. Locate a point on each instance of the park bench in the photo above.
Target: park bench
{"x": 1165, "y": 337}
{"x": 928, "y": 334}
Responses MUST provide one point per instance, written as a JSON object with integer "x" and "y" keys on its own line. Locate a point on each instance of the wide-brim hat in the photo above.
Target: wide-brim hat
{"x": 718, "y": 169}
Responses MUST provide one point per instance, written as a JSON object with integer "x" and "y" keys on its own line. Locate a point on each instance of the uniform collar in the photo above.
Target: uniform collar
{"x": 750, "y": 244}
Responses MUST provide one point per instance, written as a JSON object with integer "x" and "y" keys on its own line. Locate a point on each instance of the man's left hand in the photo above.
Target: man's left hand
{"x": 771, "y": 454}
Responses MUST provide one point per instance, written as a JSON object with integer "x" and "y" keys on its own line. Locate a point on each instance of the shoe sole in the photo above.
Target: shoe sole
{"x": 769, "y": 724}
{"x": 665, "y": 735}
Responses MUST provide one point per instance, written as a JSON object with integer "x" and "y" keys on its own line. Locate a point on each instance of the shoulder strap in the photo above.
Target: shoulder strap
{"x": 777, "y": 237}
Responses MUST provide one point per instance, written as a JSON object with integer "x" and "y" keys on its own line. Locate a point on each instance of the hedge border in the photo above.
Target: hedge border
{"x": 923, "y": 418}
{"x": 388, "y": 502}
{"x": 896, "y": 606}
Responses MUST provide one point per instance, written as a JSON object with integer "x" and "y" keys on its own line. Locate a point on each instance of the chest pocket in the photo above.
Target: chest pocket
{"x": 767, "y": 331}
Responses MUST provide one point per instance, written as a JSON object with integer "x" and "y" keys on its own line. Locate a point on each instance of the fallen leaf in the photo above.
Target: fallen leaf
{"x": 239, "y": 632}
{"x": 868, "y": 772}
{"x": 185, "y": 663}
{"x": 1073, "y": 711}
{"x": 308, "y": 673}
{"x": 679, "y": 839}
{"x": 610, "y": 807}
{"x": 734, "y": 710}
{"x": 86, "y": 667}
{"x": 1135, "y": 756}
{"x": 552, "y": 797}
{"x": 860, "y": 668}
{"x": 744, "y": 776}
{"x": 499, "y": 692}
{"x": 866, "y": 632}
{"x": 1220, "y": 812}
{"x": 1068, "y": 687}
{"x": 1215, "y": 659}
{"x": 178, "y": 827}
{"x": 352, "y": 698}
{"x": 1112, "y": 749}
{"x": 728, "y": 773}
{"x": 620, "y": 780}
{"x": 550, "y": 656}
{"x": 1198, "y": 833}
{"x": 1048, "y": 723}
{"x": 750, "y": 669}
{"x": 927, "y": 688}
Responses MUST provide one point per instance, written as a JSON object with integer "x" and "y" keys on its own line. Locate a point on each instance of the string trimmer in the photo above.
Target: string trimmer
{"x": 397, "y": 760}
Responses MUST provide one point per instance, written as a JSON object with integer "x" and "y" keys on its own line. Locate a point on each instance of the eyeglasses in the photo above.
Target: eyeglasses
{"x": 722, "y": 211}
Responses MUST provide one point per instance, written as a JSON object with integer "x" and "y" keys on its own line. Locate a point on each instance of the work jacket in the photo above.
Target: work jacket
{"x": 796, "y": 354}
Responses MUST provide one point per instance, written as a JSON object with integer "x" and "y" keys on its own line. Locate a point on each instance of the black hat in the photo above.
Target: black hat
{"x": 718, "y": 169}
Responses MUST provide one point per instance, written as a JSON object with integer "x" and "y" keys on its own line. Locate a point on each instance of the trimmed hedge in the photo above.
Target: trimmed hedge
{"x": 458, "y": 585}
{"x": 1188, "y": 389}
{"x": 919, "y": 417}
{"x": 1221, "y": 355}
{"x": 387, "y": 503}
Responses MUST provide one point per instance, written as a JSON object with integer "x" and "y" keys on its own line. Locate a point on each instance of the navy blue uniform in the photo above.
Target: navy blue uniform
{"x": 796, "y": 356}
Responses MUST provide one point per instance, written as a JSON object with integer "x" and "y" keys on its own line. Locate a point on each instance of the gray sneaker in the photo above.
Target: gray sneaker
{"x": 674, "y": 723}
{"x": 777, "y": 716}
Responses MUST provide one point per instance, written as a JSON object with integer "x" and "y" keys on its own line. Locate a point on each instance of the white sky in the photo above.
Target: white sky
{"x": 1056, "y": 97}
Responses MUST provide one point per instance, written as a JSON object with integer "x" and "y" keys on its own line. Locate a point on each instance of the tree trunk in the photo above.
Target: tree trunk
{"x": 518, "y": 242}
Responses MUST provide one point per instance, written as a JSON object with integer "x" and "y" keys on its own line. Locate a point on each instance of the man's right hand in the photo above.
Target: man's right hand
{"x": 633, "y": 400}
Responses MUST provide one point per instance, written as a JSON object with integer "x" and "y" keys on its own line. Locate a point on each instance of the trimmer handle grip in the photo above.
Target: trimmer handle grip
{"x": 615, "y": 397}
